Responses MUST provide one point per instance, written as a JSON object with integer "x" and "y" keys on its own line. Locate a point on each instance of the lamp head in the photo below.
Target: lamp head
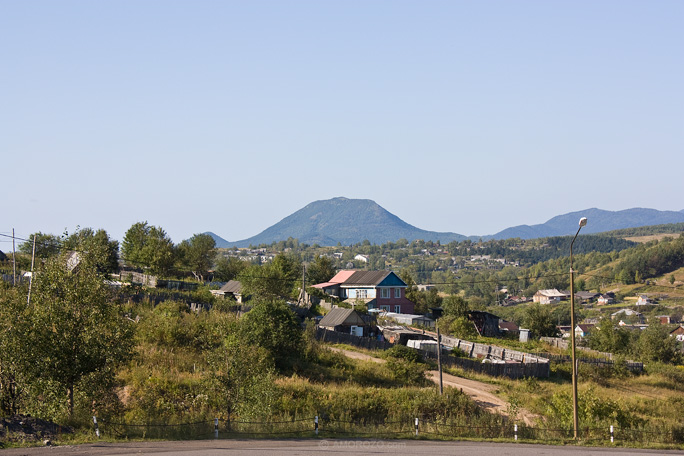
{"x": 583, "y": 222}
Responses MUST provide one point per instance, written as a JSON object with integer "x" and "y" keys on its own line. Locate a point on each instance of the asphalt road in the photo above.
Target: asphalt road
{"x": 315, "y": 447}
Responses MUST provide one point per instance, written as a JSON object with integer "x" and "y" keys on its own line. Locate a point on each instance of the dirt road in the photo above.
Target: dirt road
{"x": 481, "y": 393}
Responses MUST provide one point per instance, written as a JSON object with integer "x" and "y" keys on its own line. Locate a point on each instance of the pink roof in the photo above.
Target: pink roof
{"x": 324, "y": 285}
{"x": 342, "y": 276}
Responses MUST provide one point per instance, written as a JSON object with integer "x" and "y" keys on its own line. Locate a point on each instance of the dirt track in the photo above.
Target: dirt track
{"x": 479, "y": 392}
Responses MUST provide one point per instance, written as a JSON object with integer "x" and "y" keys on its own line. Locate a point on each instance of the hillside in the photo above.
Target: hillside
{"x": 599, "y": 222}
{"x": 341, "y": 220}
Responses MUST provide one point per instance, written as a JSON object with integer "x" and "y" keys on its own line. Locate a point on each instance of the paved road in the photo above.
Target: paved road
{"x": 315, "y": 447}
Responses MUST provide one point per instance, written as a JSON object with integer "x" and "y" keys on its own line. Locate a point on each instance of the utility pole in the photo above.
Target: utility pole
{"x": 439, "y": 361}
{"x": 14, "y": 261}
{"x": 33, "y": 257}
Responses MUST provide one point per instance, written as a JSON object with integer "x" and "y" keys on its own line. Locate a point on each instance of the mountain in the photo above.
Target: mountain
{"x": 349, "y": 221}
{"x": 341, "y": 220}
{"x": 598, "y": 221}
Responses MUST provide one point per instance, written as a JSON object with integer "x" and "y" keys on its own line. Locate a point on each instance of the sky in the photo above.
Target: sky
{"x": 228, "y": 116}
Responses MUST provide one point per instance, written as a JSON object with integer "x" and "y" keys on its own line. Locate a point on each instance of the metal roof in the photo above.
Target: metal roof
{"x": 341, "y": 316}
{"x": 233, "y": 286}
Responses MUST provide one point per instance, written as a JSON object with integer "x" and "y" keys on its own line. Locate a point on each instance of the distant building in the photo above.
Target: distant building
{"x": 549, "y": 296}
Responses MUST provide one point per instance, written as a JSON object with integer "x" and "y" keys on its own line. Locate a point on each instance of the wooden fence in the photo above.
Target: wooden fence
{"x": 336, "y": 337}
{"x": 510, "y": 370}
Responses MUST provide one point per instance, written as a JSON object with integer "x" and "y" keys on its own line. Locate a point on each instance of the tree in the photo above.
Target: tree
{"x": 655, "y": 344}
{"x": 278, "y": 279}
{"x": 104, "y": 250}
{"x": 243, "y": 378}
{"x": 455, "y": 306}
{"x": 228, "y": 268}
{"x": 609, "y": 337}
{"x": 12, "y": 349}
{"x": 538, "y": 320}
{"x": 149, "y": 247}
{"x": 47, "y": 245}
{"x": 197, "y": 254}
{"x": 272, "y": 325}
{"x": 72, "y": 328}
{"x": 320, "y": 270}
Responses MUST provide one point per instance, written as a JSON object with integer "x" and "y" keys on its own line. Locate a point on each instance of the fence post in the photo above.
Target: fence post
{"x": 416, "y": 427}
{"x": 316, "y": 424}
{"x": 216, "y": 428}
{"x": 515, "y": 429}
{"x": 97, "y": 429}
{"x": 611, "y": 434}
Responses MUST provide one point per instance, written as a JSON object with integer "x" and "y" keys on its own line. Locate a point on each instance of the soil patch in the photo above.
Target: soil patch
{"x": 25, "y": 428}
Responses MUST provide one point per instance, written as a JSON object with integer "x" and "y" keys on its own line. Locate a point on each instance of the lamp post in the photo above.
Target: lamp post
{"x": 575, "y": 418}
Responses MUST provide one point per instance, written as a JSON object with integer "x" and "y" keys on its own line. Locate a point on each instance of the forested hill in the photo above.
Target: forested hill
{"x": 341, "y": 220}
{"x": 599, "y": 221}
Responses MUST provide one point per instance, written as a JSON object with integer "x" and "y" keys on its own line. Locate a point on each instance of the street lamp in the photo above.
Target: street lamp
{"x": 575, "y": 418}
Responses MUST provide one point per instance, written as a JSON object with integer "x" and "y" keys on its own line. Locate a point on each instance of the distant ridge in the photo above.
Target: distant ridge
{"x": 599, "y": 221}
{"x": 350, "y": 221}
{"x": 341, "y": 220}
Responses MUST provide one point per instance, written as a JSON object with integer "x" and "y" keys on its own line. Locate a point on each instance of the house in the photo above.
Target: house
{"x": 583, "y": 330}
{"x": 550, "y": 296}
{"x": 678, "y": 333}
{"x": 628, "y": 314}
{"x": 362, "y": 258}
{"x": 644, "y": 301}
{"x": 663, "y": 319}
{"x": 486, "y": 324}
{"x": 604, "y": 299}
{"x": 409, "y": 319}
{"x": 382, "y": 290}
{"x": 232, "y": 289}
{"x": 344, "y": 320}
{"x": 585, "y": 297}
{"x": 508, "y": 327}
{"x": 3, "y": 257}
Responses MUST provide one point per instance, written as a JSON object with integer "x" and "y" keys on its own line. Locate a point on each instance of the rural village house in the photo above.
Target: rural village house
{"x": 382, "y": 290}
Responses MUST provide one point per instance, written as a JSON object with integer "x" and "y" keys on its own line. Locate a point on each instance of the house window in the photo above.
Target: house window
{"x": 397, "y": 292}
{"x": 385, "y": 308}
{"x": 361, "y": 294}
{"x": 397, "y": 309}
{"x": 385, "y": 293}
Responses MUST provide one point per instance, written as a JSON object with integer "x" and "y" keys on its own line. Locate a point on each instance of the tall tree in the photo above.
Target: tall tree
{"x": 320, "y": 270}
{"x": 228, "y": 268}
{"x": 73, "y": 329}
{"x": 104, "y": 251}
{"x": 147, "y": 246}
{"x": 538, "y": 320}
{"x": 47, "y": 245}
{"x": 197, "y": 255}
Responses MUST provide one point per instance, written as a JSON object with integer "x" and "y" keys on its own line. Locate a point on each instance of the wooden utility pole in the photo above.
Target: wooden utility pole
{"x": 439, "y": 361}
{"x": 14, "y": 261}
{"x": 33, "y": 257}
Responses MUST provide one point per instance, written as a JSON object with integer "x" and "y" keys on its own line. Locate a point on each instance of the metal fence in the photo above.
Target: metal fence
{"x": 425, "y": 427}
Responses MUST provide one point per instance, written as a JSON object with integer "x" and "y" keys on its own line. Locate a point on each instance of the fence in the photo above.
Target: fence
{"x": 406, "y": 428}
{"x": 604, "y": 359}
{"x": 336, "y": 337}
{"x": 503, "y": 369}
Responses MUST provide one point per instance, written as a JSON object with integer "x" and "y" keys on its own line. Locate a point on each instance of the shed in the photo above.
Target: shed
{"x": 344, "y": 320}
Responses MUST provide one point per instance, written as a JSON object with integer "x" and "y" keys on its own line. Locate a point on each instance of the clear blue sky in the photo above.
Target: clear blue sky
{"x": 227, "y": 116}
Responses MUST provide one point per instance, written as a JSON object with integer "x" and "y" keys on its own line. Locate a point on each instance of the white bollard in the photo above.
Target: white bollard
{"x": 216, "y": 428}
{"x": 416, "y": 427}
{"x": 515, "y": 429}
{"x": 316, "y": 424}
{"x": 97, "y": 430}
{"x": 611, "y": 434}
